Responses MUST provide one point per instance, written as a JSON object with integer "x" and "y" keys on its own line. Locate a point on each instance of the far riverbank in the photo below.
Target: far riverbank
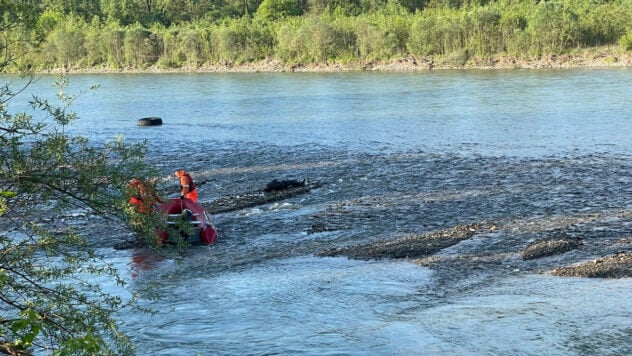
{"x": 602, "y": 57}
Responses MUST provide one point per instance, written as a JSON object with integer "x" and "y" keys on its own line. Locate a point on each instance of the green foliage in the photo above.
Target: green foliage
{"x": 437, "y": 32}
{"x": 626, "y": 42}
{"x": 141, "y": 47}
{"x": 112, "y": 40}
{"x": 243, "y": 40}
{"x": 306, "y": 40}
{"x": 604, "y": 23}
{"x": 513, "y": 35}
{"x": 318, "y": 40}
{"x": 49, "y": 20}
{"x": 170, "y": 34}
{"x": 553, "y": 28}
{"x": 383, "y": 34}
{"x": 50, "y": 297}
{"x": 483, "y": 25}
{"x": 232, "y": 42}
{"x": 289, "y": 49}
{"x": 126, "y": 12}
{"x": 18, "y": 31}
{"x": 209, "y": 52}
{"x": 271, "y": 10}
{"x": 66, "y": 44}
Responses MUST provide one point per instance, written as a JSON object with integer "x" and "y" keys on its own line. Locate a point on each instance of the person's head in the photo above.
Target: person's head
{"x": 180, "y": 173}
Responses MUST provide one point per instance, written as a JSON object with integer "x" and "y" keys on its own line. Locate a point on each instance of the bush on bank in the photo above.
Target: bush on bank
{"x": 520, "y": 29}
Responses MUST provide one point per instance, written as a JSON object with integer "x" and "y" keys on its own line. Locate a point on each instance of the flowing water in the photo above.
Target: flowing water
{"x": 538, "y": 152}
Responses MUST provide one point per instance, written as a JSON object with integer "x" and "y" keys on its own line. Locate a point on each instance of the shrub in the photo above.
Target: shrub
{"x": 141, "y": 47}
{"x": 625, "y": 41}
{"x": 66, "y": 43}
{"x": 436, "y": 32}
{"x": 271, "y": 10}
{"x": 553, "y": 28}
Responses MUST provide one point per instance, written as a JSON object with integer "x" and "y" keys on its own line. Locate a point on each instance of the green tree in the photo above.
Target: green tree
{"x": 17, "y": 27}
{"x": 484, "y": 31}
{"x": 436, "y": 32}
{"x": 141, "y": 47}
{"x": 604, "y": 23}
{"x": 271, "y": 10}
{"x": 66, "y": 44}
{"x": 514, "y": 37}
{"x": 48, "y": 298}
{"x": 51, "y": 298}
{"x": 125, "y": 12}
{"x": 554, "y": 27}
{"x": 85, "y": 9}
{"x": 113, "y": 42}
{"x": 244, "y": 40}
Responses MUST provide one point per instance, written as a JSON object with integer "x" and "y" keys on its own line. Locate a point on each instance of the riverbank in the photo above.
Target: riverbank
{"x": 601, "y": 57}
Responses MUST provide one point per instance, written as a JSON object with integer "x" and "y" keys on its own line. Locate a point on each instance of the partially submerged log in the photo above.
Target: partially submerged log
{"x": 254, "y": 198}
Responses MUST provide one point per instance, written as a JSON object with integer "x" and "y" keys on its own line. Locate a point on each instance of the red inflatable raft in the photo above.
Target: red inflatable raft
{"x": 186, "y": 221}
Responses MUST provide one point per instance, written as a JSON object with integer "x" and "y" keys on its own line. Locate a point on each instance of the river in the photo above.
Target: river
{"x": 544, "y": 151}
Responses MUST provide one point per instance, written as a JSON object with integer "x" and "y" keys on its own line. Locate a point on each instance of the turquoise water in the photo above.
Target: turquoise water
{"x": 492, "y": 112}
{"x": 399, "y": 153}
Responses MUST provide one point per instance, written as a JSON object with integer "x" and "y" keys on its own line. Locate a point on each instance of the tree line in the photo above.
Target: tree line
{"x": 134, "y": 34}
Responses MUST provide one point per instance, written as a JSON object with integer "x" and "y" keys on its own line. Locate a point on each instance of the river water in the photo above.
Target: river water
{"x": 539, "y": 152}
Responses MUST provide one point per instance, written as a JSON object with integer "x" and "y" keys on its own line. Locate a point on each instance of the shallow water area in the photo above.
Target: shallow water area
{"x": 534, "y": 315}
{"x": 297, "y": 305}
{"x": 537, "y": 154}
{"x": 308, "y": 305}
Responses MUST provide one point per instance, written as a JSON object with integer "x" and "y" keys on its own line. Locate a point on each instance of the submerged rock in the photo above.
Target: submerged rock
{"x": 618, "y": 265}
{"x": 550, "y": 247}
{"x": 255, "y": 198}
{"x": 411, "y": 247}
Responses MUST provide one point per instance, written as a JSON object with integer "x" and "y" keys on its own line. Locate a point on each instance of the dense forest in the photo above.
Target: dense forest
{"x": 138, "y": 34}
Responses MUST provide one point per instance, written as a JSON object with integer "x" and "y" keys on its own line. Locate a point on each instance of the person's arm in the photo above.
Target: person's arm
{"x": 184, "y": 183}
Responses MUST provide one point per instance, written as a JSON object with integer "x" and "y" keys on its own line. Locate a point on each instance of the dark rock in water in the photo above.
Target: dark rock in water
{"x": 254, "y": 198}
{"x": 411, "y": 247}
{"x": 618, "y": 265}
{"x": 283, "y": 184}
{"x": 550, "y": 247}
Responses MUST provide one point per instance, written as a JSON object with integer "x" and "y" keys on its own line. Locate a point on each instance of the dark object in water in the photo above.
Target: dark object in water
{"x": 550, "y": 247}
{"x": 256, "y": 197}
{"x": 149, "y": 121}
{"x": 276, "y": 184}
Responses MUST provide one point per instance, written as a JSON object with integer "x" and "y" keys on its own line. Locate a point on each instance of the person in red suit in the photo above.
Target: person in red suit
{"x": 187, "y": 187}
{"x": 143, "y": 196}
